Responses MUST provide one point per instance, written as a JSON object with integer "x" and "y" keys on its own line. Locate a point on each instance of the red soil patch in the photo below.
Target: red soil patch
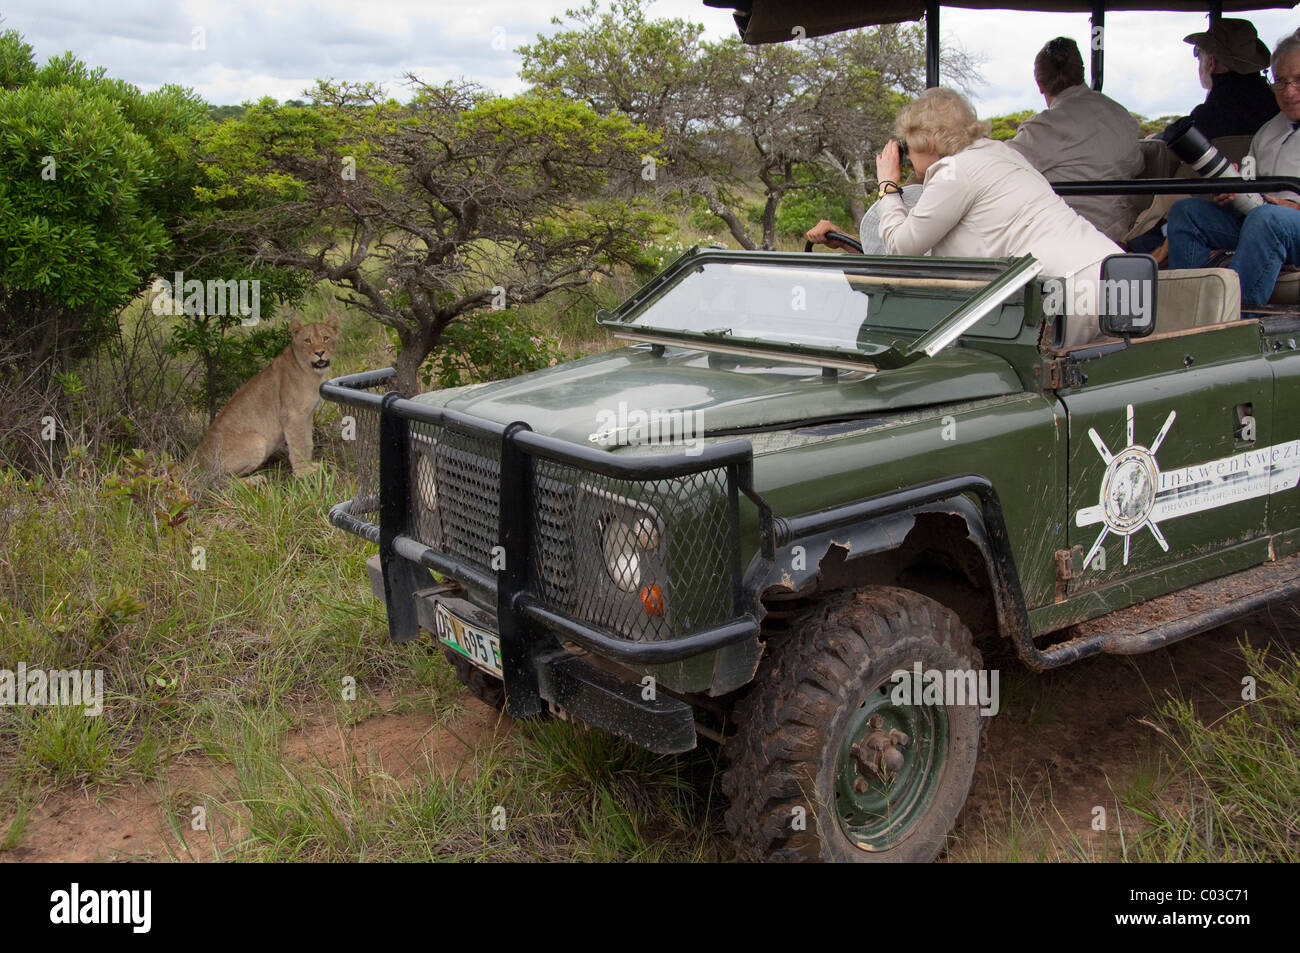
{"x": 1065, "y": 741}
{"x": 1086, "y": 740}
{"x": 132, "y": 824}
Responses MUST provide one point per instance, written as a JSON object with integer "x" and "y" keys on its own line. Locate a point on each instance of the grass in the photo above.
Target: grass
{"x": 16, "y": 827}
{"x": 1237, "y": 795}
{"x": 1026, "y": 831}
{"x": 1202, "y": 789}
{"x": 221, "y": 666}
{"x": 81, "y": 585}
{"x": 356, "y": 814}
{"x": 517, "y": 798}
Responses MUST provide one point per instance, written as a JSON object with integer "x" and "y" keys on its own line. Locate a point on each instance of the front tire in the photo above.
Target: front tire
{"x": 798, "y": 784}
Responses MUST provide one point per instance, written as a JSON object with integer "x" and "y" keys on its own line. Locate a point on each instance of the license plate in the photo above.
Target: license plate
{"x": 478, "y": 645}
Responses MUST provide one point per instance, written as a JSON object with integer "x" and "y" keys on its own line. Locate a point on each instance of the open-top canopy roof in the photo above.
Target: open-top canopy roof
{"x": 774, "y": 21}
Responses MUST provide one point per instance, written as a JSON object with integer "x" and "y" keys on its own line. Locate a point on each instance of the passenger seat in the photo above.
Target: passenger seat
{"x": 1197, "y": 298}
{"x": 1287, "y": 289}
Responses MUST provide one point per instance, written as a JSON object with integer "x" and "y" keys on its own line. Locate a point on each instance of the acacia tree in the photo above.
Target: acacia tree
{"x": 860, "y": 79}
{"x": 620, "y": 61}
{"x": 785, "y": 118}
{"x": 762, "y": 100}
{"x": 424, "y": 213}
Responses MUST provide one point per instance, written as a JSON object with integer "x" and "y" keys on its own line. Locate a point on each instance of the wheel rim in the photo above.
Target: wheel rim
{"x": 884, "y": 814}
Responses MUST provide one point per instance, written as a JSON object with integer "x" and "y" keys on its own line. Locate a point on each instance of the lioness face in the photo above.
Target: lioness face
{"x": 313, "y": 344}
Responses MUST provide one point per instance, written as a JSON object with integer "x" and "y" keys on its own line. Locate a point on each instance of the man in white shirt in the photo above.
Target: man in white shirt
{"x": 1082, "y": 135}
{"x": 1269, "y": 236}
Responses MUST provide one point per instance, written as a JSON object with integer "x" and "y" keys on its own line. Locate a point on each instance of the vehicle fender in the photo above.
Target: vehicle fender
{"x": 797, "y": 565}
{"x": 800, "y": 565}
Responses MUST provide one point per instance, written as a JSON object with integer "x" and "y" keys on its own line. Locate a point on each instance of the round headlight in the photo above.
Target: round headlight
{"x": 426, "y": 483}
{"x": 426, "y": 494}
{"x": 647, "y": 534}
{"x": 622, "y": 561}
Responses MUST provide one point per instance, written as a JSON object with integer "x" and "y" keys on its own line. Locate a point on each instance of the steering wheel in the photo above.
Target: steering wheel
{"x": 838, "y": 237}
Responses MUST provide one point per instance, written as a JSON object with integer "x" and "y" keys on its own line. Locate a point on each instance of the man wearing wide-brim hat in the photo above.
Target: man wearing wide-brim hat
{"x": 1230, "y": 57}
{"x": 1267, "y": 237}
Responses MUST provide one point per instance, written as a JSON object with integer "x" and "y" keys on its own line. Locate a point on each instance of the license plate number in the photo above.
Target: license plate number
{"x": 478, "y": 645}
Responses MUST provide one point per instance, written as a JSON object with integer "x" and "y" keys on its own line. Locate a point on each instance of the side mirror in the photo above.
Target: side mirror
{"x": 1126, "y": 299}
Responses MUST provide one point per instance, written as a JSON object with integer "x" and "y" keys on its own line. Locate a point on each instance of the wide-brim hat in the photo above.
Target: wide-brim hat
{"x": 1235, "y": 44}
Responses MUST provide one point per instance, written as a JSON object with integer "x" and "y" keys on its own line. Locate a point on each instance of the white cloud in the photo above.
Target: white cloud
{"x": 252, "y": 49}
{"x": 1148, "y": 68}
{"x": 278, "y": 48}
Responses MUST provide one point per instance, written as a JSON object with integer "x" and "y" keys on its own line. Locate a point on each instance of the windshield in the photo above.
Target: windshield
{"x": 816, "y": 306}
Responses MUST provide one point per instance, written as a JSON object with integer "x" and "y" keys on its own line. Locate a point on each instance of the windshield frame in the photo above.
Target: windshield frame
{"x": 1004, "y": 277}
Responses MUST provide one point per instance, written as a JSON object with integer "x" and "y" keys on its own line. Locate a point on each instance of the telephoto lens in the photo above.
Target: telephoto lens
{"x": 1193, "y": 148}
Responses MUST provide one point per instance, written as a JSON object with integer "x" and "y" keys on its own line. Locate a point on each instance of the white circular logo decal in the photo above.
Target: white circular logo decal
{"x": 1128, "y": 491}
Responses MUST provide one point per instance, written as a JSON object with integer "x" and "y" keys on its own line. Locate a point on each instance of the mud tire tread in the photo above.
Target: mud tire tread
{"x": 781, "y": 742}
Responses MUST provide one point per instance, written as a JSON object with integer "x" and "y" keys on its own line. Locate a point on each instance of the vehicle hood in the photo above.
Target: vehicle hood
{"x": 723, "y": 393}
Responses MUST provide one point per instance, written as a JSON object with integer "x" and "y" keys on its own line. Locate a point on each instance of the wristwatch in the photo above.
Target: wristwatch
{"x": 887, "y": 188}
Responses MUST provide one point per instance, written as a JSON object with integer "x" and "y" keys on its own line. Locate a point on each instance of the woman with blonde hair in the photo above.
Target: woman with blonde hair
{"x": 982, "y": 199}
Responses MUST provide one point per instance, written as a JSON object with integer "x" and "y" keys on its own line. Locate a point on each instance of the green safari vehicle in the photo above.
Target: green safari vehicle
{"x": 789, "y": 511}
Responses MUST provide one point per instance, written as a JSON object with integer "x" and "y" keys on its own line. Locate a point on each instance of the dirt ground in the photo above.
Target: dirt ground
{"x": 1064, "y": 744}
{"x": 133, "y": 825}
{"x": 1069, "y": 741}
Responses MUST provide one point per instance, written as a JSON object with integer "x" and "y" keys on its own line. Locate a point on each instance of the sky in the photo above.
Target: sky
{"x": 241, "y": 50}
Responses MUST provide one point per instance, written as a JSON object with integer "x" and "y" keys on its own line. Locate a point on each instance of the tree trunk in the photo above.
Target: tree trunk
{"x": 729, "y": 218}
{"x": 857, "y": 192}
{"x": 418, "y": 341}
{"x": 857, "y": 209}
{"x": 408, "y": 364}
{"x": 853, "y": 175}
{"x": 769, "y": 220}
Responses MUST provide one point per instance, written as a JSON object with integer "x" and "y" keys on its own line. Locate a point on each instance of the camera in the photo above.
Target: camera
{"x": 1190, "y": 145}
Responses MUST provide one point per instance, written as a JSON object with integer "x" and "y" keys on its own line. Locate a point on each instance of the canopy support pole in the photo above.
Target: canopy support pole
{"x": 1097, "y": 40}
{"x": 931, "y": 43}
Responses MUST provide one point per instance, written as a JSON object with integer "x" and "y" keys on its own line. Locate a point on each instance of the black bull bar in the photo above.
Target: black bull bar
{"x": 527, "y": 626}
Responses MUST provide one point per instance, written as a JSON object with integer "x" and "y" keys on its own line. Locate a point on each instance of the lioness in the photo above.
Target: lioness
{"x": 274, "y": 408}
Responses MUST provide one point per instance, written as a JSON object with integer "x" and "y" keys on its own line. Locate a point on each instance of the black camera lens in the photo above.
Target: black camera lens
{"x": 902, "y": 149}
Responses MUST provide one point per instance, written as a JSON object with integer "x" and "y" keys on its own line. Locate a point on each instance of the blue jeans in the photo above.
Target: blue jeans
{"x": 1264, "y": 240}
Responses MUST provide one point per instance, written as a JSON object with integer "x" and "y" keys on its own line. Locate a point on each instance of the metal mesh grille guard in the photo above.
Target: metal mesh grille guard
{"x": 546, "y": 525}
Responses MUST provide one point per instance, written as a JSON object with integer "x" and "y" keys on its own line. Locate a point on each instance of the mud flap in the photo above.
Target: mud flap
{"x": 408, "y": 623}
{"x": 661, "y": 724}
{"x": 402, "y": 579}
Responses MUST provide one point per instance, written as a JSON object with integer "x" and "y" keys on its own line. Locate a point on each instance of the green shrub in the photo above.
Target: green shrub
{"x": 800, "y": 211}
{"x": 94, "y": 175}
{"x": 488, "y": 346}
{"x": 229, "y": 354}
{"x": 1006, "y": 127}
